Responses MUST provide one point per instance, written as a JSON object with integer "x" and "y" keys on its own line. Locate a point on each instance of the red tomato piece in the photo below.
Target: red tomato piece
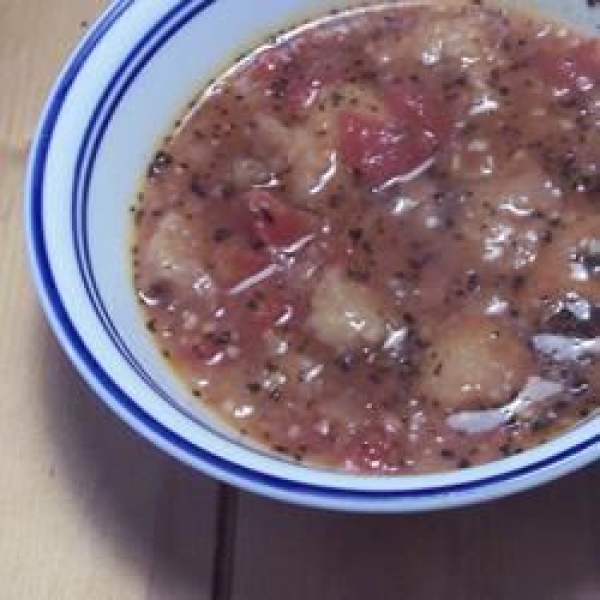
{"x": 381, "y": 151}
{"x": 416, "y": 103}
{"x": 568, "y": 72}
{"x": 587, "y": 57}
{"x": 235, "y": 263}
{"x": 276, "y": 224}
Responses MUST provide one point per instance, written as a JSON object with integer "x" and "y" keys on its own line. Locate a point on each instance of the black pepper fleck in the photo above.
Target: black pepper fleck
{"x": 161, "y": 162}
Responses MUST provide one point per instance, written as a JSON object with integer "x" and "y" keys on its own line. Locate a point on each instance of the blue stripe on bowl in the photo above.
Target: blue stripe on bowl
{"x": 130, "y": 68}
{"x": 64, "y": 327}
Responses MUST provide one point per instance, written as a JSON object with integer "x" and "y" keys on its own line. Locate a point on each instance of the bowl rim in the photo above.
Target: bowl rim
{"x": 397, "y": 500}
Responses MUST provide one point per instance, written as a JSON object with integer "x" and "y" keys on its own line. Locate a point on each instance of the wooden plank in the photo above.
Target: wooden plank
{"x": 87, "y": 510}
{"x": 543, "y": 545}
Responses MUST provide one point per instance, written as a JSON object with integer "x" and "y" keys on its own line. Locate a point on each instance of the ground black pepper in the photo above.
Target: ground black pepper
{"x": 161, "y": 162}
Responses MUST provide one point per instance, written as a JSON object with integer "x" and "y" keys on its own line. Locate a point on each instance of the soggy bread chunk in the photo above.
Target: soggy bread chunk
{"x": 173, "y": 255}
{"x": 302, "y": 151}
{"x": 507, "y": 215}
{"x": 345, "y": 314}
{"x": 570, "y": 262}
{"x": 468, "y": 42}
{"x": 474, "y": 361}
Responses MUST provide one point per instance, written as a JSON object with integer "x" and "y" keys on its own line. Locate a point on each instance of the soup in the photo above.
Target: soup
{"x": 374, "y": 244}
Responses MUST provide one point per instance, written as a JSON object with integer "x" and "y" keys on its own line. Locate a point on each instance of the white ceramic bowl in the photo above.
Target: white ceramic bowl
{"x": 125, "y": 85}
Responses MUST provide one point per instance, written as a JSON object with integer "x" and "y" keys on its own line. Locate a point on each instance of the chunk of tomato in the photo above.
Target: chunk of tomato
{"x": 385, "y": 149}
{"x": 381, "y": 151}
{"x": 235, "y": 263}
{"x": 574, "y": 69}
{"x": 417, "y": 103}
{"x": 587, "y": 57}
{"x": 276, "y": 224}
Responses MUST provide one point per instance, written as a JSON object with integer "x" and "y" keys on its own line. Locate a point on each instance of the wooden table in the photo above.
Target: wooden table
{"x": 89, "y": 511}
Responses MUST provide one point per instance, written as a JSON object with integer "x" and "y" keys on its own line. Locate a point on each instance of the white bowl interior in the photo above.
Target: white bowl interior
{"x": 143, "y": 115}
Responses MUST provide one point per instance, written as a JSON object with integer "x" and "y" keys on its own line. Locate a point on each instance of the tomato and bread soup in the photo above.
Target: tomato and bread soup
{"x": 374, "y": 243}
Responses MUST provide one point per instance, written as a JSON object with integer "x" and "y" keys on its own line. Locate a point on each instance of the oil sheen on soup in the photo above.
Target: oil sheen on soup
{"x": 374, "y": 244}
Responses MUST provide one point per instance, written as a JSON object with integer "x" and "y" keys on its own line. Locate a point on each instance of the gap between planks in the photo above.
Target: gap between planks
{"x": 225, "y": 537}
